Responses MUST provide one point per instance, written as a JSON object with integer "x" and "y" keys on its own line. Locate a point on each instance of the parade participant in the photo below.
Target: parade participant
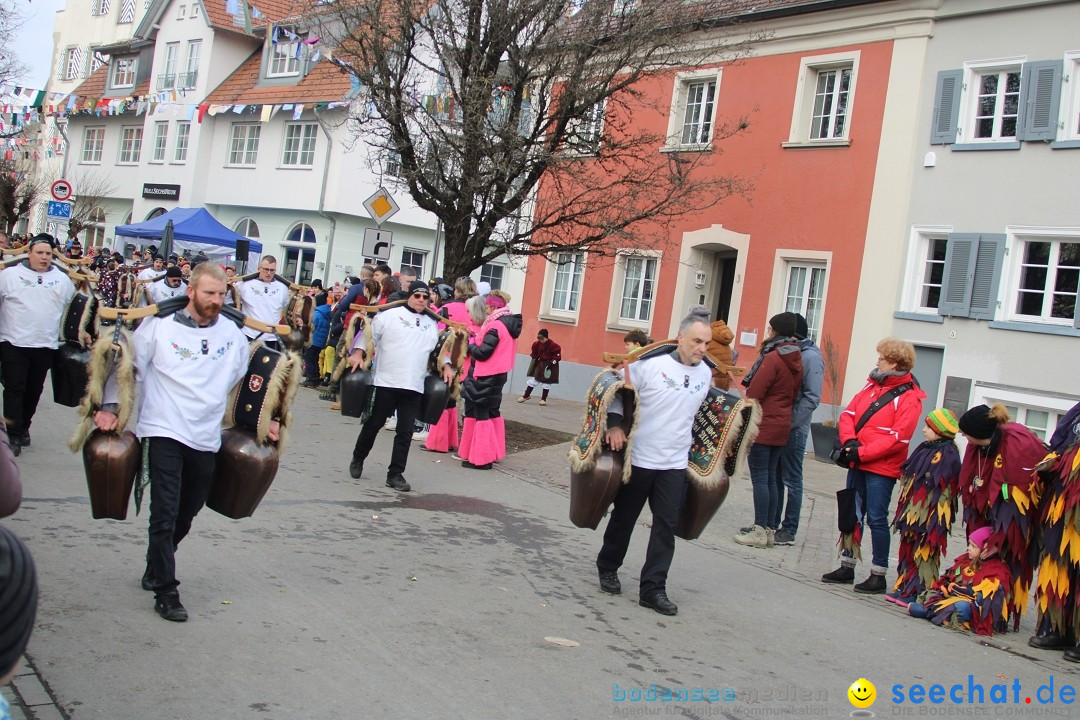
{"x": 544, "y": 367}
{"x": 636, "y": 339}
{"x": 186, "y": 364}
{"x": 670, "y": 390}
{"x": 169, "y": 286}
{"x": 18, "y": 606}
{"x": 154, "y": 270}
{"x": 970, "y": 594}
{"x": 265, "y": 298}
{"x": 875, "y": 430}
{"x": 483, "y": 435}
{"x": 75, "y": 250}
{"x": 108, "y": 284}
{"x": 443, "y": 435}
{"x": 1059, "y": 566}
{"x": 33, "y": 297}
{"x": 404, "y": 337}
{"x": 1001, "y": 491}
{"x": 924, "y": 513}
{"x": 320, "y": 332}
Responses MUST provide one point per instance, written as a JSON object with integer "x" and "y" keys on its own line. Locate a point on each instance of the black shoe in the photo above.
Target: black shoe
{"x": 467, "y": 464}
{"x": 609, "y": 582}
{"x": 398, "y": 483}
{"x": 16, "y": 446}
{"x": 148, "y": 579}
{"x": 310, "y": 383}
{"x": 843, "y": 575}
{"x": 783, "y": 537}
{"x": 1049, "y": 641}
{"x": 24, "y": 438}
{"x": 169, "y": 607}
{"x": 1073, "y": 654}
{"x": 659, "y": 602}
{"x": 873, "y": 585}
{"x": 356, "y": 469}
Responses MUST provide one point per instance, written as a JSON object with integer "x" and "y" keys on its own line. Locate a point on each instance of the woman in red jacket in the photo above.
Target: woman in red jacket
{"x": 874, "y": 454}
{"x": 774, "y": 381}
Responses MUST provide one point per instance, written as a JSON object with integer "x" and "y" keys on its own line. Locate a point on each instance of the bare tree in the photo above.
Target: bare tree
{"x": 91, "y": 189}
{"x": 514, "y": 121}
{"x": 20, "y": 189}
{"x": 12, "y": 18}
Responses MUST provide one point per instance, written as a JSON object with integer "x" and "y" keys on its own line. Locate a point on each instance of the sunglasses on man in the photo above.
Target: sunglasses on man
{"x": 425, "y": 296}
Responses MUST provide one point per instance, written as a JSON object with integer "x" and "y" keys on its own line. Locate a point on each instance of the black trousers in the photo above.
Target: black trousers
{"x": 180, "y": 481}
{"x": 22, "y": 371}
{"x": 665, "y": 491}
{"x": 406, "y": 403}
{"x": 311, "y": 362}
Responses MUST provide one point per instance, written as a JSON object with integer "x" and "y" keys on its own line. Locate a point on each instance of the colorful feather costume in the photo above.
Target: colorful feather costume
{"x": 982, "y": 583}
{"x": 1001, "y": 490}
{"x": 924, "y": 514}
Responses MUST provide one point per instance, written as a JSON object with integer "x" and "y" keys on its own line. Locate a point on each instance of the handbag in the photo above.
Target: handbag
{"x": 839, "y": 453}
{"x": 547, "y": 372}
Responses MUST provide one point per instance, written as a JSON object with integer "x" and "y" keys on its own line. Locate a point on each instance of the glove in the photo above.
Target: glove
{"x": 852, "y": 454}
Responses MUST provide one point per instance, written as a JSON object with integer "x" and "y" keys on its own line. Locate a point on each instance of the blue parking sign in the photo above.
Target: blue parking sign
{"x": 58, "y": 210}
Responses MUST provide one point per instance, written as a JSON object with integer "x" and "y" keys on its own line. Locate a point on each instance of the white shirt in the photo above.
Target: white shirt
{"x": 160, "y": 290}
{"x": 150, "y": 272}
{"x": 32, "y": 305}
{"x": 186, "y": 374}
{"x": 403, "y": 342}
{"x": 669, "y": 395}
{"x": 264, "y": 301}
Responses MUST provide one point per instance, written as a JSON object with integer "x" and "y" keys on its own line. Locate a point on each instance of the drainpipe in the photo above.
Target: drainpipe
{"x": 322, "y": 199}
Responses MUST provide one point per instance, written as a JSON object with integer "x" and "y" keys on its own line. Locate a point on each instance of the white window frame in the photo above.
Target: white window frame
{"x": 191, "y": 64}
{"x": 1069, "y": 109}
{"x": 247, "y": 154}
{"x": 784, "y": 261}
{"x": 917, "y": 258}
{"x": 420, "y": 268}
{"x": 120, "y": 74}
{"x": 131, "y": 137}
{"x": 73, "y": 59}
{"x": 553, "y": 271}
{"x": 161, "y": 142}
{"x": 486, "y": 275}
{"x": 583, "y": 135}
{"x": 1012, "y": 270}
{"x": 1057, "y": 405}
{"x": 305, "y": 134}
{"x": 802, "y": 113}
{"x": 969, "y": 98}
{"x": 244, "y": 226}
{"x": 183, "y": 141}
{"x": 194, "y": 11}
{"x": 282, "y": 60}
{"x": 677, "y": 113}
{"x": 168, "y": 78}
{"x": 181, "y": 12}
{"x": 93, "y": 145}
{"x": 623, "y": 258}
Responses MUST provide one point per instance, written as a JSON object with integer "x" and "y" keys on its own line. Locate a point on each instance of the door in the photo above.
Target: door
{"x": 928, "y": 364}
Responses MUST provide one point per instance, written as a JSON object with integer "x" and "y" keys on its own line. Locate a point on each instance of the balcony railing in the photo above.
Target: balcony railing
{"x": 177, "y": 81}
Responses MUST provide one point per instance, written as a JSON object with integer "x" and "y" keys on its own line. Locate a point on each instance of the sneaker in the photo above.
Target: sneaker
{"x": 391, "y": 423}
{"x": 397, "y": 482}
{"x": 842, "y": 575}
{"x": 659, "y": 602}
{"x": 783, "y": 537}
{"x": 609, "y": 582}
{"x": 757, "y": 537}
{"x": 543, "y": 402}
{"x": 522, "y": 398}
{"x": 422, "y": 435}
{"x": 470, "y": 466}
{"x": 169, "y": 607}
{"x": 769, "y": 535}
{"x": 873, "y": 585}
{"x": 356, "y": 469}
{"x": 335, "y": 406}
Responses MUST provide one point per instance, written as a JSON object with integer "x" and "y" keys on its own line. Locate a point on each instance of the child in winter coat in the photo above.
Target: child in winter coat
{"x": 928, "y": 499}
{"x": 971, "y": 594}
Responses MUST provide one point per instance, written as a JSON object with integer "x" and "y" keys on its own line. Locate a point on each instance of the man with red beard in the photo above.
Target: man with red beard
{"x": 186, "y": 363}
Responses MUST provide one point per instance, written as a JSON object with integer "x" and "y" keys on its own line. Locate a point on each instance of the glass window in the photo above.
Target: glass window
{"x": 806, "y": 294}
{"x": 639, "y": 288}
{"x": 130, "y": 145}
{"x": 1049, "y": 280}
{"x": 414, "y": 259}
{"x": 932, "y": 274}
{"x": 299, "y": 144}
{"x": 569, "y": 270}
{"x": 161, "y": 139}
{"x": 284, "y": 59}
{"x": 492, "y": 274}
{"x": 93, "y": 142}
{"x": 698, "y": 114}
{"x": 248, "y": 228}
{"x": 167, "y": 80}
{"x": 73, "y": 63}
{"x": 997, "y": 105}
{"x": 183, "y": 132}
{"x": 94, "y": 236}
{"x": 584, "y": 136}
{"x": 830, "y": 104}
{"x": 244, "y": 145}
{"x": 191, "y": 65}
{"x": 123, "y": 72}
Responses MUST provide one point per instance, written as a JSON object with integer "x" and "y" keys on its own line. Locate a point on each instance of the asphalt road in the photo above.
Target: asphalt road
{"x": 342, "y": 598}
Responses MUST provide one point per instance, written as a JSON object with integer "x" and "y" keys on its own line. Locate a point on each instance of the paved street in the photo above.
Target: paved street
{"x": 343, "y": 599}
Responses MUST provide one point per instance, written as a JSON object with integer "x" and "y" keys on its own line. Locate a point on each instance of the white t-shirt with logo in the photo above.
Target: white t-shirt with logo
{"x": 263, "y": 301}
{"x": 32, "y": 305}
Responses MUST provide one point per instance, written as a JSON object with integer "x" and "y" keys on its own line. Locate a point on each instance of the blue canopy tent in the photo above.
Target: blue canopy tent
{"x": 194, "y": 229}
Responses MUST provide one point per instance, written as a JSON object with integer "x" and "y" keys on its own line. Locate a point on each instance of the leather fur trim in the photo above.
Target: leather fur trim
{"x": 106, "y": 360}
{"x": 743, "y": 430}
{"x": 585, "y": 464}
{"x": 281, "y": 388}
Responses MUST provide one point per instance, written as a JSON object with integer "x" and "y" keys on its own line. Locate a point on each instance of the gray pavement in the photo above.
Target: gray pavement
{"x": 471, "y": 597}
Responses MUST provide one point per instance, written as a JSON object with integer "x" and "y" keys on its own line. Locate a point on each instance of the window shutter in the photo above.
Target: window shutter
{"x": 1040, "y": 89}
{"x": 946, "y": 107}
{"x": 987, "y": 276}
{"x": 93, "y": 7}
{"x": 61, "y": 65}
{"x": 956, "y": 282}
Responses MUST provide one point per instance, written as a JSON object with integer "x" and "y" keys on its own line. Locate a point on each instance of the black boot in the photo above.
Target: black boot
{"x": 148, "y": 580}
{"x": 1050, "y": 640}
{"x": 1073, "y": 654}
{"x": 543, "y": 397}
{"x": 873, "y": 585}
{"x": 842, "y": 575}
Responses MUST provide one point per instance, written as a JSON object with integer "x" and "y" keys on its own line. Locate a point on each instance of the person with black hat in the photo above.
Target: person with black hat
{"x": 154, "y": 270}
{"x": 18, "y": 605}
{"x": 404, "y": 338}
{"x": 34, "y": 295}
{"x": 774, "y": 382}
{"x": 169, "y": 286}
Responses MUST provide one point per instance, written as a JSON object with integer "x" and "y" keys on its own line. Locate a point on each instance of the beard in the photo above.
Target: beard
{"x": 208, "y": 310}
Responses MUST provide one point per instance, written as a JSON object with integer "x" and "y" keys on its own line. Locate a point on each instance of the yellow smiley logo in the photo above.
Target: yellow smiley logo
{"x": 862, "y": 693}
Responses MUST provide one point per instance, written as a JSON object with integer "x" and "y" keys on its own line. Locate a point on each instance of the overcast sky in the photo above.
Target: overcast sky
{"x": 34, "y": 43}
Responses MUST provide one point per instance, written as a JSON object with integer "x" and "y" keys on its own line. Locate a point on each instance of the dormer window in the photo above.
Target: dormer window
{"x": 123, "y": 72}
{"x": 284, "y": 59}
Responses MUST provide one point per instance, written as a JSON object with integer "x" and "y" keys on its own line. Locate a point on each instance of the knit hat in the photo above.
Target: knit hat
{"x": 18, "y": 599}
{"x": 419, "y": 286}
{"x": 483, "y": 287}
{"x": 802, "y": 330}
{"x": 979, "y": 537}
{"x": 42, "y": 238}
{"x": 174, "y": 272}
{"x": 943, "y": 422}
{"x": 784, "y": 324}
{"x": 977, "y": 423}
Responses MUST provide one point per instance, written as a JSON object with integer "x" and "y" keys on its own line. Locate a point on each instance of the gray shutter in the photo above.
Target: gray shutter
{"x": 1040, "y": 93}
{"x": 987, "y": 276}
{"x": 956, "y": 282}
{"x": 946, "y": 107}
{"x": 61, "y": 65}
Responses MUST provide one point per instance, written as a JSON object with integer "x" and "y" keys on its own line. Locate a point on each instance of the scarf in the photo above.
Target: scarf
{"x": 767, "y": 347}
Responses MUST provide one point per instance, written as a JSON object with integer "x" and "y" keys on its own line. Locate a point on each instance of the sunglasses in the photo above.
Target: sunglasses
{"x": 425, "y": 296}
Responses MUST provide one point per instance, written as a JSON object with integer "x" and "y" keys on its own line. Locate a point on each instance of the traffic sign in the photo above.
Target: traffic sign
{"x": 381, "y": 206}
{"x": 58, "y": 210}
{"x": 61, "y": 190}
{"x": 377, "y": 243}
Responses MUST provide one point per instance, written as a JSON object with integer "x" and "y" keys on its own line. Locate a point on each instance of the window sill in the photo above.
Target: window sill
{"x": 558, "y": 319}
{"x": 1065, "y": 144}
{"x": 1034, "y": 328}
{"x": 239, "y": 167}
{"x": 920, "y": 317}
{"x": 127, "y": 164}
{"x": 795, "y": 144}
{"x": 686, "y": 148}
{"x": 968, "y": 147}
{"x": 627, "y": 327}
{"x": 178, "y": 162}
{"x": 89, "y": 162}
{"x": 155, "y": 162}
{"x": 295, "y": 167}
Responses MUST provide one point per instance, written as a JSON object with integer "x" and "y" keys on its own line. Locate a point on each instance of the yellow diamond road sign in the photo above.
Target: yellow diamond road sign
{"x": 381, "y": 206}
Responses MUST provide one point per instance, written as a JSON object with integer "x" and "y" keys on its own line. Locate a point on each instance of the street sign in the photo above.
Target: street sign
{"x": 377, "y": 243}
{"x": 58, "y": 210}
{"x": 381, "y": 206}
{"x": 61, "y": 190}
